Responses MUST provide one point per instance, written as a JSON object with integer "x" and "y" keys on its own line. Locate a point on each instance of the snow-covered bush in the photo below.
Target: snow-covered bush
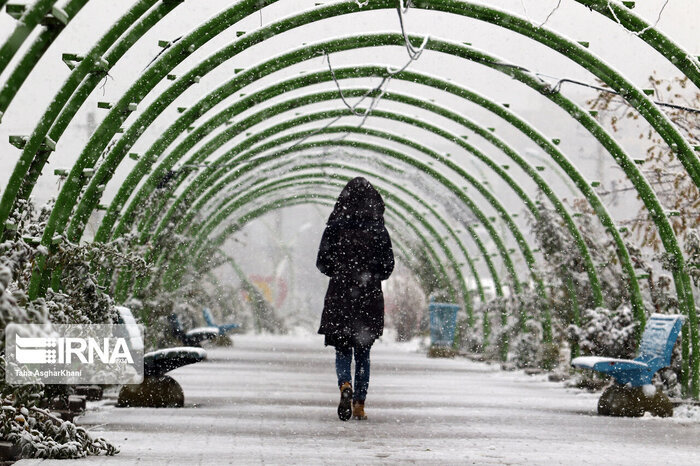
{"x": 78, "y": 300}
{"x": 527, "y": 345}
{"x": 38, "y": 433}
{"x": 405, "y": 304}
{"x": 495, "y": 311}
{"x": 605, "y": 332}
{"x": 433, "y": 284}
{"x": 692, "y": 249}
{"x": 470, "y": 338}
{"x": 669, "y": 378}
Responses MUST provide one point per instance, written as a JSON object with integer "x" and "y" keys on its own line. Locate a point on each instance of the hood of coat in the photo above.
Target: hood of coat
{"x": 359, "y": 202}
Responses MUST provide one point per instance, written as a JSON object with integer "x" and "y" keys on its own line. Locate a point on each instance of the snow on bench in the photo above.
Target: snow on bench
{"x": 660, "y": 334}
{"x": 193, "y": 337}
{"x": 158, "y": 389}
{"x": 157, "y": 363}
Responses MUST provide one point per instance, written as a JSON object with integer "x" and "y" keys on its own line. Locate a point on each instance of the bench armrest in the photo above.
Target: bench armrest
{"x": 601, "y": 364}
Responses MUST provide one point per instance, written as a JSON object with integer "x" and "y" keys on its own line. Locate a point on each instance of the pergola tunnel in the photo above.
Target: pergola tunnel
{"x": 546, "y": 185}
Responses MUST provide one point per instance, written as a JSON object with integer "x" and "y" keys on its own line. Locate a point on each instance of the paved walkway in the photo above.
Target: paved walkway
{"x": 272, "y": 400}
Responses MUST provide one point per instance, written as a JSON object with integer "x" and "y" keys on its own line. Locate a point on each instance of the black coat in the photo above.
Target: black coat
{"x": 356, "y": 253}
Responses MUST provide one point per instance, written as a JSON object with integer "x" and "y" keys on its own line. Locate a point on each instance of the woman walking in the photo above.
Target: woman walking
{"x": 356, "y": 254}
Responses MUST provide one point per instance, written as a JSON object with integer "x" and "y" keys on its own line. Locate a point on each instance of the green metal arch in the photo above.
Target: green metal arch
{"x": 49, "y": 227}
{"x": 308, "y": 199}
{"x": 398, "y": 156}
{"x": 148, "y": 159}
{"x": 617, "y": 13}
{"x": 23, "y": 29}
{"x": 210, "y": 224}
{"x": 417, "y": 199}
{"x": 685, "y": 282}
{"x": 674, "y": 54}
{"x": 206, "y": 227}
{"x": 682, "y": 281}
{"x": 67, "y": 101}
{"x": 642, "y": 316}
{"x": 292, "y": 166}
{"x": 196, "y": 247}
{"x": 179, "y": 258}
{"x": 152, "y": 215}
{"x": 526, "y": 131}
{"x": 445, "y": 161}
{"x": 397, "y": 236}
{"x": 405, "y": 159}
{"x": 25, "y": 66}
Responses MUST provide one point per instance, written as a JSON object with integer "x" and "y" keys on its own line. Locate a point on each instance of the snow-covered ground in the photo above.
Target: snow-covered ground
{"x": 272, "y": 400}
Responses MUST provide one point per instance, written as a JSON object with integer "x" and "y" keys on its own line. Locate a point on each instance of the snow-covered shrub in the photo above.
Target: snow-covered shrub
{"x": 405, "y": 305}
{"x": 79, "y": 300}
{"x": 469, "y": 338}
{"x": 692, "y": 250}
{"x": 605, "y": 332}
{"x": 527, "y": 345}
{"x": 433, "y": 284}
{"x": 495, "y": 311}
{"x": 669, "y": 378}
{"x": 38, "y": 433}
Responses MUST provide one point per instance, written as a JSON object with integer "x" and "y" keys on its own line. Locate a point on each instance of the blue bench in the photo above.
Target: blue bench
{"x": 193, "y": 337}
{"x": 157, "y": 388}
{"x": 223, "y": 328}
{"x": 633, "y": 376}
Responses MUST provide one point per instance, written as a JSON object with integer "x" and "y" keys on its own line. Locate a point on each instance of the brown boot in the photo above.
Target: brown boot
{"x": 358, "y": 410}
{"x": 344, "y": 407}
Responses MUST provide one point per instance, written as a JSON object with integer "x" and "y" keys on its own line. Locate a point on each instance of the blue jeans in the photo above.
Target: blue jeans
{"x": 343, "y": 361}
